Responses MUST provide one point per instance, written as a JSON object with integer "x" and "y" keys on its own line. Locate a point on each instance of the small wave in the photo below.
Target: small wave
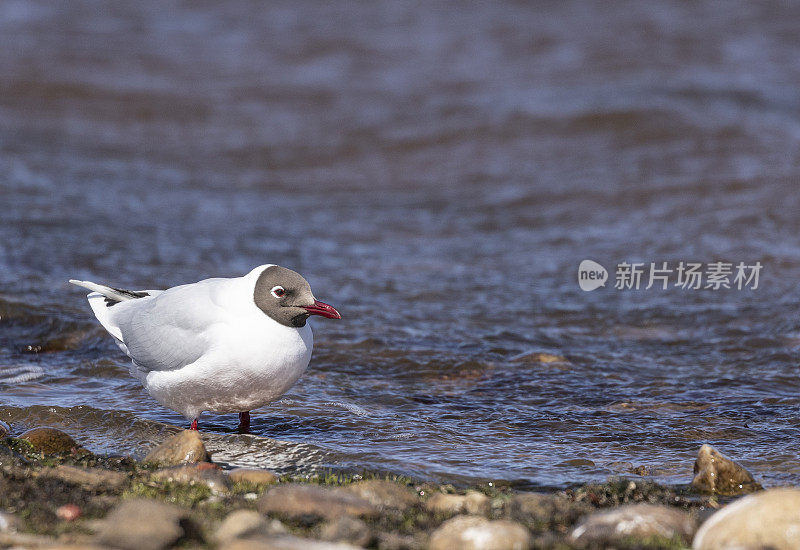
{"x": 20, "y": 373}
{"x": 355, "y": 409}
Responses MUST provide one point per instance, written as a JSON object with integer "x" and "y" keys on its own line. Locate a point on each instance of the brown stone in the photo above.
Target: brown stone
{"x": 310, "y": 502}
{"x": 93, "y": 479}
{"x": 50, "y": 440}
{"x": 541, "y": 512}
{"x": 247, "y": 523}
{"x": 385, "y": 494}
{"x": 478, "y": 533}
{"x": 717, "y": 474}
{"x": 472, "y": 503}
{"x": 253, "y": 476}
{"x": 767, "y": 519}
{"x": 140, "y": 524}
{"x": 185, "y": 447}
{"x": 347, "y": 529}
{"x": 644, "y": 521}
{"x": 202, "y": 473}
{"x": 539, "y": 357}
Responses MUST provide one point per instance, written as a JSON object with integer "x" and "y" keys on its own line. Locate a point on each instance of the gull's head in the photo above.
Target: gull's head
{"x": 285, "y": 296}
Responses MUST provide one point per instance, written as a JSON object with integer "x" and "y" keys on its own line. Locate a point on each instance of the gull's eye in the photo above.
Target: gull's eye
{"x": 278, "y": 291}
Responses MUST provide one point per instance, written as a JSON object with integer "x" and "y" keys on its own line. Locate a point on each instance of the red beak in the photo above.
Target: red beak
{"x": 322, "y": 309}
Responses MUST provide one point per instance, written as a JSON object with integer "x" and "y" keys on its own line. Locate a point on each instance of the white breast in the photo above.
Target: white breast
{"x": 245, "y": 369}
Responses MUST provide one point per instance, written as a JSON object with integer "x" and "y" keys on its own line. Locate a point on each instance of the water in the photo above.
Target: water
{"x": 437, "y": 173}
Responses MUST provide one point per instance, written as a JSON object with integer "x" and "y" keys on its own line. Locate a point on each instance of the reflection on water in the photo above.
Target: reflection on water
{"x": 438, "y": 173}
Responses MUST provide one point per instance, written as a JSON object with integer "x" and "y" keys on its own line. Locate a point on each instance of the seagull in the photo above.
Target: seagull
{"x": 223, "y": 345}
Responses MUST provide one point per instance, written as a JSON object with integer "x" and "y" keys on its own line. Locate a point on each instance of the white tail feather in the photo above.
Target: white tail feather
{"x": 106, "y": 291}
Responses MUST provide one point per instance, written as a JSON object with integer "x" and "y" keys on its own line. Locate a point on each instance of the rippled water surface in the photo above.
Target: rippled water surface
{"x": 437, "y": 172}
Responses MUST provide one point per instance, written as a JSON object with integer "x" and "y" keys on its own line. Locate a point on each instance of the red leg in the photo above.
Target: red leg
{"x": 194, "y": 425}
{"x": 244, "y": 422}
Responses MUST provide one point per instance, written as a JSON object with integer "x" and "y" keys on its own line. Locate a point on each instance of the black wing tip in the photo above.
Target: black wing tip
{"x": 132, "y": 294}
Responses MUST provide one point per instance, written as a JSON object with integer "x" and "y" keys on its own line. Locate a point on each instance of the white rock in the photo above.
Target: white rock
{"x": 768, "y": 519}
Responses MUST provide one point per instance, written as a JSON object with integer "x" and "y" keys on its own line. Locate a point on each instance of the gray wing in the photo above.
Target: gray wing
{"x": 169, "y": 330}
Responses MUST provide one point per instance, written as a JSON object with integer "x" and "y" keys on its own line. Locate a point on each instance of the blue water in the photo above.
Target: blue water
{"x": 437, "y": 173}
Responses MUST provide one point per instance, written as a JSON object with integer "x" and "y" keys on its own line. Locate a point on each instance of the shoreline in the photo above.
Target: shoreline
{"x": 54, "y": 493}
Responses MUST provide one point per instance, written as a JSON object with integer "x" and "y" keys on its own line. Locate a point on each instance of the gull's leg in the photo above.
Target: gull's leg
{"x": 194, "y": 425}
{"x": 244, "y": 422}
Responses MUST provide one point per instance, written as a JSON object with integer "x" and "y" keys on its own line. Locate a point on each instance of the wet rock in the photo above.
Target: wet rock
{"x": 539, "y": 357}
{"x": 201, "y": 473}
{"x": 644, "y": 521}
{"x": 309, "y": 503}
{"x": 768, "y": 519}
{"x": 385, "y": 494}
{"x": 715, "y": 473}
{"x": 253, "y": 476}
{"x": 50, "y": 441}
{"x": 478, "y": 533}
{"x": 5, "y": 429}
{"x": 347, "y": 529}
{"x": 472, "y": 503}
{"x": 247, "y": 523}
{"x": 185, "y": 447}
{"x": 10, "y": 458}
{"x": 617, "y": 492}
{"x": 140, "y": 524}
{"x": 542, "y": 512}
{"x": 93, "y": 479}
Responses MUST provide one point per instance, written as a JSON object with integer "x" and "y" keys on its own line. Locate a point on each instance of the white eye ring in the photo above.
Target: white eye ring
{"x": 278, "y": 291}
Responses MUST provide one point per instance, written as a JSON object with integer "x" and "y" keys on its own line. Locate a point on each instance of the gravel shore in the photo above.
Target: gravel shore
{"x": 56, "y": 494}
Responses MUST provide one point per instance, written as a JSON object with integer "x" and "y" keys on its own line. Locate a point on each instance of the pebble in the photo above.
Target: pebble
{"x": 539, "y": 357}
{"x": 634, "y": 520}
{"x": 347, "y": 529}
{"x": 396, "y": 541}
{"x": 185, "y": 447}
{"x": 385, "y": 494}
{"x": 311, "y": 502}
{"x": 286, "y": 542}
{"x": 767, "y": 519}
{"x": 254, "y": 476}
{"x": 716, "y": 473}
{"x": 245, "y": 523}
{"x": 472, "y": 503}
{"x": 92, "y": 479}
{"x": 50, "y": 440}
{"x": 540, "y": 511}
{"x": 68, "y": 512}
{"x": 140, "y": 524}
{"x": 478, "y": 533}
{"x": 203, "y": 473}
